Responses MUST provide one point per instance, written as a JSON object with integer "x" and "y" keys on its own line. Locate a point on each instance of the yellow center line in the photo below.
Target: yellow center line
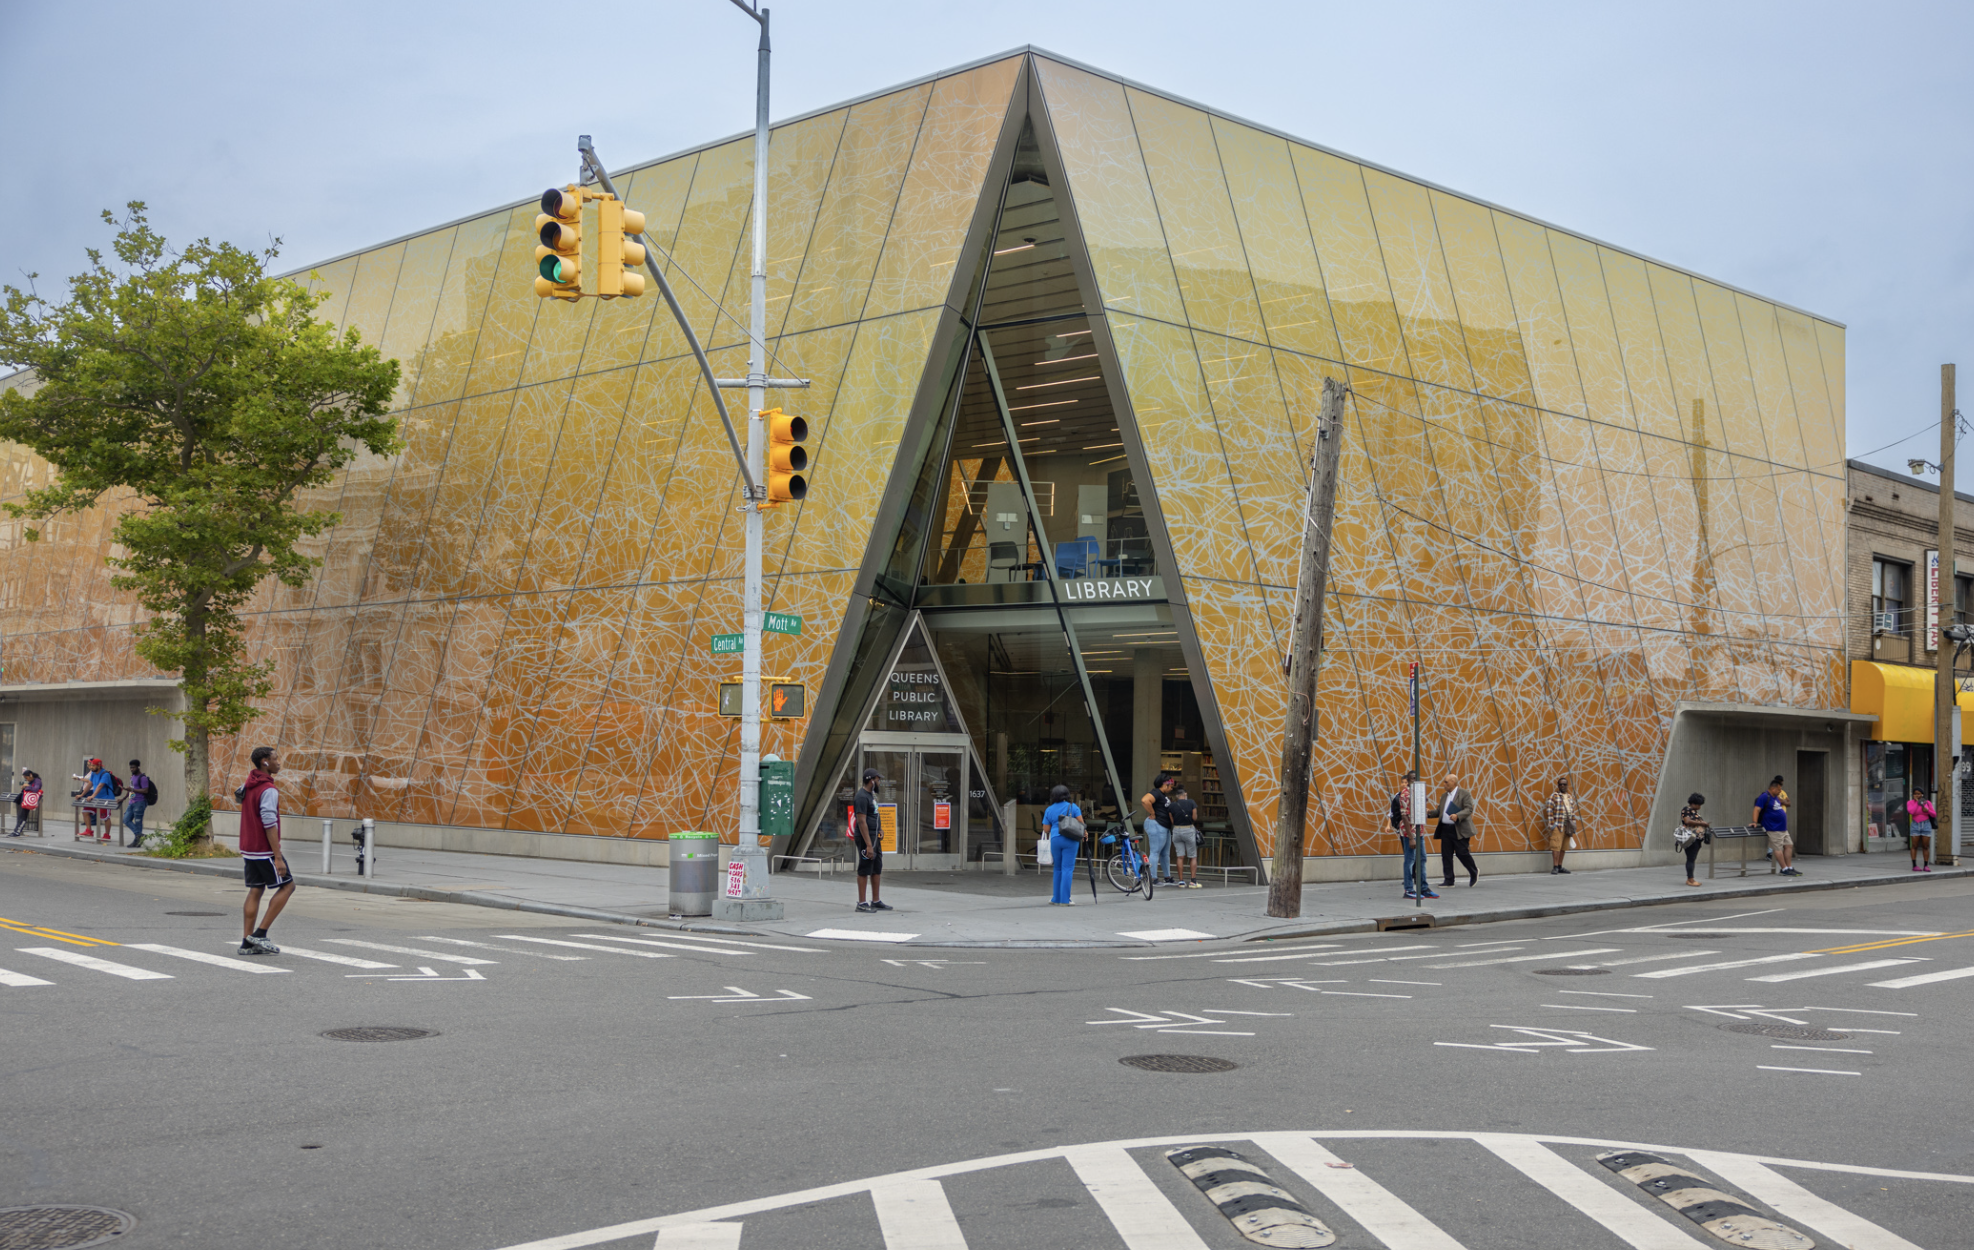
{"x": 73, "y": 939}
{"x": 1887, "y": 945}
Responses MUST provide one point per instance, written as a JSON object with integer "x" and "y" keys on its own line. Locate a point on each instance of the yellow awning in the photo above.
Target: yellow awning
{"x": 1901, "y": 697}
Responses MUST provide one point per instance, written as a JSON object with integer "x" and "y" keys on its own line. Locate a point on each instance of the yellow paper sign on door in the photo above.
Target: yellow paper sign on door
{"x": 887, "y": 819}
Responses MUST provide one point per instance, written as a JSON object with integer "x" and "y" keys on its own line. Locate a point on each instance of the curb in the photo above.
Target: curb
{"x": 471, "y": 898}
{"x": 476, "y": 898}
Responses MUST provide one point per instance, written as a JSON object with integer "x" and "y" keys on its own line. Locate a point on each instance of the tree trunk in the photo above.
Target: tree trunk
{"x": 198, "y": 773}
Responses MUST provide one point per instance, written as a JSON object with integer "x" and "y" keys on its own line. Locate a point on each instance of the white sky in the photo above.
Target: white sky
{"x": 1814, "y": 153}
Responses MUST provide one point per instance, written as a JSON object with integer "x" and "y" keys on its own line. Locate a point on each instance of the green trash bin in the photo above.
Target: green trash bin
{"x": 695, "y": 872}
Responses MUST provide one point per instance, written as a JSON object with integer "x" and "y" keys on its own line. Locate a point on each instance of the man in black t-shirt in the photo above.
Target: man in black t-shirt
{"x": 867, "y": 835}
{"x": 1185, "y": 837}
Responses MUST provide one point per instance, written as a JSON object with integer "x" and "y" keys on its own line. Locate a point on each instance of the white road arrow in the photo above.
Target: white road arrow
{"x": 1574, "y": 1041}
{"x": 735, "y": 994}
{"x": 424, "y": 974}
{"x": 932, "y": 963}
{"x": 1169, "y": 1022}
{"x": 1741, "y": 1011}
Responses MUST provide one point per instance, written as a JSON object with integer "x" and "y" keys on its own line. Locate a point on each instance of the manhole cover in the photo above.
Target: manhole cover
{"x": 195, "y": 913}
{"x": 1790, "y": 1032}
{"x": 61, "y": 1228}
{"x": 1571, "y": 972}
{"x": 1178, "y": 1063}
{"x": 376, "y": 1033}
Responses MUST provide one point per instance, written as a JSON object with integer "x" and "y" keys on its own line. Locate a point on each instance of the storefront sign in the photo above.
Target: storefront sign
{"x": 1110, "y": 589}
{"x": 1932, "y": 601}
{"x": 942, "y": 815}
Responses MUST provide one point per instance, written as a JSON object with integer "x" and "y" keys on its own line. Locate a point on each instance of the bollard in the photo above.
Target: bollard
{"x": 369, "y": 847}
{"x": 328, "y": 827}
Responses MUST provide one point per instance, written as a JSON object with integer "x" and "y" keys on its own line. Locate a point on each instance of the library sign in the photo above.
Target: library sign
{"x": 915, "y": 700}
{"x": 1112, "y": 589}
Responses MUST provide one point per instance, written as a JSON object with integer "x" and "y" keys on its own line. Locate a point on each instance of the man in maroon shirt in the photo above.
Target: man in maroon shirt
{"x": 260, "y": 848}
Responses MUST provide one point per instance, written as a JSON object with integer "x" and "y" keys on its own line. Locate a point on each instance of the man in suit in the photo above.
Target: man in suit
{"x": 1455, "y": 830}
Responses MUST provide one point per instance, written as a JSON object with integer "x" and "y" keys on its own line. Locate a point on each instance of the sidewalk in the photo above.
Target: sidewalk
{"x": 988, "y": 909}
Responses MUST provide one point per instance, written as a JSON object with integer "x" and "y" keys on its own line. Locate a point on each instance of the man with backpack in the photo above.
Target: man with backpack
{"x": 143, "y": 793}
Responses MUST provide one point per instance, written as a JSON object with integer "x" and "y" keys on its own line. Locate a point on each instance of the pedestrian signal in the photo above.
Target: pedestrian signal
{"x": 617, "y": 258}
{"x": 788, "y": 700}
{"x": 558, "y": 257}
{"x": 788, "y": 459}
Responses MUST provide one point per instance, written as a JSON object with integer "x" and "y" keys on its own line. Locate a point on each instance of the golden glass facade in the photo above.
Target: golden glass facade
{"x": 1578, "y": 487}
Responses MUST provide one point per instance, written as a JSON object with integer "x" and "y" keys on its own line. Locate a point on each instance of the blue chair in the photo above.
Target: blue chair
{"x": 1073, "y": 559}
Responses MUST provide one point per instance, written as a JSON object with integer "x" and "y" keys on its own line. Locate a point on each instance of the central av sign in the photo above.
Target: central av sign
{"x": 1111, "y": 589}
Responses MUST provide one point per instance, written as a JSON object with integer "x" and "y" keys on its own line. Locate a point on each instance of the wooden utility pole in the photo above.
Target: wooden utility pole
{"x": 1945, "y": 744}
{"x": 1305, "y": 657}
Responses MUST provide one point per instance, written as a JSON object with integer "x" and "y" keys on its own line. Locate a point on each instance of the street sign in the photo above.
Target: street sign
{"x": 729, "y": 644}
{"x": 781, "y": 622}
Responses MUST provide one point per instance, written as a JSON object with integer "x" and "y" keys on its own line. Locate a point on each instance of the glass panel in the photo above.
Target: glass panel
{"x": 1734, "y": 386}
{"x": 1587, "y": 306}
{"x": 915, "y": 700}
{"x": 1637, "y": 324}
{"x": 1339, "y": 218}
{"x": 514, "y": 491}
{"x": 1594, "y": 544}
{"x": 1030, "y": 274}
{"x": 1480, "y": 290}
{"x": 440, "y": 367}
{"x": 1114, "y": 208}
{"x": 712, "y": 232}
{"x": 511, "y": 307}
{"x": 1686, "y": 357}
{"x": 1830, "y": 342}
{"x": 370, "y": 296}
{"x": 1265, "y": 459}
{"x": 412, "y": 306}
{"x": 1191, "y": 194}
{"x": 1409, "y": 240}
{"x": 942, "y": 188}
{"x": 334, "y": 280}
{"x": 620, "y": 328}
{"x": 1770, "y": 373}
{"x": 856, "y": 211}
{"x": 1635, "y": 522}
{"x": 799, "y": 159}
{"x": 894, "y": 793}
{"x": 1539, "y": 310}
{"x": 583, "y": 455}
{"x": 1280, "y": 254}
{"x": 1823, "y": 442}
{"x": 624, "y": 785}
{"x": 938, "y": 803}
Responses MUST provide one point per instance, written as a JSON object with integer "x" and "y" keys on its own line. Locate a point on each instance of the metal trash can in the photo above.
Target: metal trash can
{"x": 695, "y": 872}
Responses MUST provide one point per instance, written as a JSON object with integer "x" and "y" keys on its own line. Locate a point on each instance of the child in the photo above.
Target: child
{"x": 1185, "y": 838}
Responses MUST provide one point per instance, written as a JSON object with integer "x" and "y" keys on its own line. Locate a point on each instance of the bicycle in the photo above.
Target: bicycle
{"x": 1129, "y": 871}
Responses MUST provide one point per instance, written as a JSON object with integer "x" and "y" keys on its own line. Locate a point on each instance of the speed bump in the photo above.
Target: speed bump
{"x": 1723, "y": 1215}
{"x": 1252, "y": 1203}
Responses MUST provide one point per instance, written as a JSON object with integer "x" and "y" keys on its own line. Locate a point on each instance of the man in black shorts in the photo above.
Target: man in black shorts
{"x": 867, "y": 835}
{"x": 260, "y": 849}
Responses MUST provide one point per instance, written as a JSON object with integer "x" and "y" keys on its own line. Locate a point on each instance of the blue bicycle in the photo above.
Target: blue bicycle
{"x": 1127, "y": 868}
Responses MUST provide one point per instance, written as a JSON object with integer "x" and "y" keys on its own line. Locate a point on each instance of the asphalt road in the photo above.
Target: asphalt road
{"x": 585, "y": 1081}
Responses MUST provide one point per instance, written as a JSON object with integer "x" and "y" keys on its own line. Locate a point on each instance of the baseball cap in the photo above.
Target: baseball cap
{"x": 871, "y": 774}
{"x": 94, "y": 760}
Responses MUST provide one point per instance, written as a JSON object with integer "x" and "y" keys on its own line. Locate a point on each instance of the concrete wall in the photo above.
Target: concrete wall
{"x": 1729, "y": 755}
{"x": 56, "y": 728}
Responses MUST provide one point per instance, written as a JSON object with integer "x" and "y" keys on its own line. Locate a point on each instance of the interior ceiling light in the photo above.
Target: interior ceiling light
{"x": 1054, "y": 403}
{"x": 1019, "y": 247}
{"x": 1103, "y": 446}
{"x": 1066, "y": 359}
{"x": 1043, "y": 421}
{"x": 1036, "y": 386}
{"x": 1111, "y": 460}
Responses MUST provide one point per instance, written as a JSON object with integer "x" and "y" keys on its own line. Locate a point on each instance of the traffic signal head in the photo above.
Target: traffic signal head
{"x": 558, "y": 257}
{"x": 788, "y": 459}
{"x": 616, "y": 258}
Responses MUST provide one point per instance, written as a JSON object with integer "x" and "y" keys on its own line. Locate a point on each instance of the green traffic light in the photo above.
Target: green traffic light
{"x": 551, "y": 268}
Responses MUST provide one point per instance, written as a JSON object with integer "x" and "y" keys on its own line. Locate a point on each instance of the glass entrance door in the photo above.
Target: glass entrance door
{"x": 922, "y": 801}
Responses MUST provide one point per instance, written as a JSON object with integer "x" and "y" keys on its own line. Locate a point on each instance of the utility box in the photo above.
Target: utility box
{"x": 778, "y": 799}
{"x": 695, "y": 872}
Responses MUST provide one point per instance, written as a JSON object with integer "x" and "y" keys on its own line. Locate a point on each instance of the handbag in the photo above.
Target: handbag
{"x": 30, "y": 799}
{"x": 1072, "y": 827}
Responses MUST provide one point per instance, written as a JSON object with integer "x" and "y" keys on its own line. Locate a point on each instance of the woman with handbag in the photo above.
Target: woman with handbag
{"x": 1694, "y": 833}
{"x": 27, "y": 801}
{"x": 1063, "y": 821}
{"x": 1919, "y": 839}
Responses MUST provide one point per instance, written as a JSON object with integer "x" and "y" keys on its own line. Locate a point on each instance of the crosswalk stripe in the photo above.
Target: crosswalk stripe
{"x": 1831, "y": 972}
{"x": 1732, "y": 963}
{"x": 1924, "y": 978}
{"x": 1635, "y": 1226}
{"x": 1522, "y": 959}
{"x": 217, "y": 961}
{"x": 581, "y": 946}
{"x": 94, "y": 964}
{"x": 413, "y": 950}
{"x": 914, "y": 1215}
{"x": 330, "y": 957}
{"x": 1381, "y": 1213}
{"x": 1653, "y": 959}
{"x": 727, "y": 941}
{"x": 699, "y": 1237}
{"x": 574, "y": 959}
{"x": 1796, "y": 1203}
{"x": 1143, "y": 1216}
{"x": 20, "y": 980}
{"x": 674, "y": 946}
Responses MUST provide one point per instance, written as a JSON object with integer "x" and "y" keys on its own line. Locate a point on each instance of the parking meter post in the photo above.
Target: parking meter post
{"x": 328, "y": 827}
{"x": 369, "y": 847}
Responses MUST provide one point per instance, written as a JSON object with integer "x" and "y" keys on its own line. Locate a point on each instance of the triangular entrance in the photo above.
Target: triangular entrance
{"x": 1031, "y": 547}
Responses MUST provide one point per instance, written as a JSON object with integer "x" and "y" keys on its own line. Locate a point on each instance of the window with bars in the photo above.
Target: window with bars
{"x": 1891, "y": 597}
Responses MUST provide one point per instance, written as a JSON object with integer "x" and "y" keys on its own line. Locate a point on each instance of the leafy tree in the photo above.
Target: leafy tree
{"x": 208, "y": 392}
